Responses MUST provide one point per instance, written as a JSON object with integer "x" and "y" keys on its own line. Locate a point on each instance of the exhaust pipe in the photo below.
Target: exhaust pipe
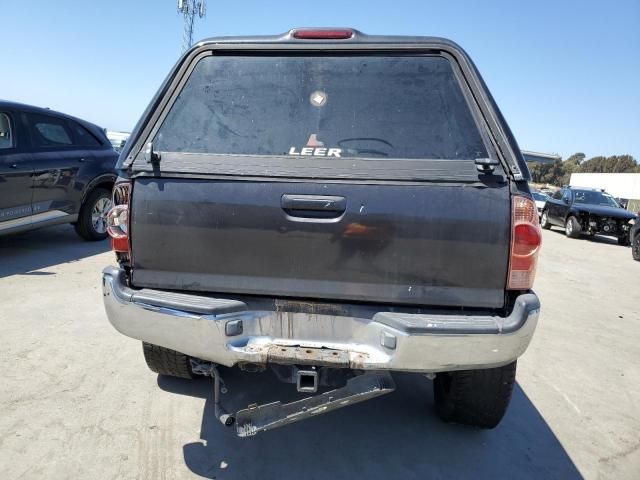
{"x": 307, "y": 381}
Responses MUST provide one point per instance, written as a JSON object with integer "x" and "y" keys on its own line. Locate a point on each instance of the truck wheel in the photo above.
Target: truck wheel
{"x": 635, "y": 248}
{"x": 624, "y": 241}
{"x": 478, "y": 398}
{"x": 92, "y": 219}
{"x": 544, "y": 221}
{"x": 572, "y": 227}
{"x": 165, "y": 361}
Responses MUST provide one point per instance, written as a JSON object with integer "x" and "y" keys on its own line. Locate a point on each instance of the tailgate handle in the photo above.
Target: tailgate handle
{"x": 300, "y": 205}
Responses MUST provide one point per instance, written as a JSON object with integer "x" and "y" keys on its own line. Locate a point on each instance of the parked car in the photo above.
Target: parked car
{"x": 312, "y": 207}
{"x": 54, "y": 169}
{"x": 634, "y": 236}
{"x": 587, "y": 211}
{"x": 540, "y": 199}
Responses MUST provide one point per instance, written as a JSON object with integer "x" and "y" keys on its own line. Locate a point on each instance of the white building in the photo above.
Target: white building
{"x": 620, "y": 185}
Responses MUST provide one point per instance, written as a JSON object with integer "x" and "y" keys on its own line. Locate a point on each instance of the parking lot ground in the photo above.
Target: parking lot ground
{"x": 77, "y": 400}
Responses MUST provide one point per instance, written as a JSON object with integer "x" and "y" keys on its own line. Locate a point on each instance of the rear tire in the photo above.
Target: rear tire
{"x": 635, "y": 248}
{"x": 572, "y": 227}
{"x": 544, "y": 220}
{"x": 91, "y": 224}
{"x": 478, "y": 398}
{"x": 165, "y": 361}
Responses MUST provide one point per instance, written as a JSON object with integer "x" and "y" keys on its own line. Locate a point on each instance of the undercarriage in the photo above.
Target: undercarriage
{"x": 349, "y": 387}
{"x": 596, "y": 225}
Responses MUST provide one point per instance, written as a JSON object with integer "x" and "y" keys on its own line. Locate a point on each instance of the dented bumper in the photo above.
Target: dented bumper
{"x": 229, "y": 333}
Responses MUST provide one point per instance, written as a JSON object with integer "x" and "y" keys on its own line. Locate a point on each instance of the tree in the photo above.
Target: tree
{"x": 575, "y": 159}
{"x": 547, "y": 172}
{"x": 613, "y": 164}
{"x": 571, "y": 165}
{"x": 559, "y": 172}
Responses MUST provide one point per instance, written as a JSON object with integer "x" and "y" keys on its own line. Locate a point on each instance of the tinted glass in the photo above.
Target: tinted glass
{"x": 540, "y": 196}
{"x": 83, "y": 136}
{"x": 6, "y": 134}
{"x": 558, "y": 195}
{"x": 595, "y": 198}
{"x": 49, "y": 131}
{"x": 358, "y": 106}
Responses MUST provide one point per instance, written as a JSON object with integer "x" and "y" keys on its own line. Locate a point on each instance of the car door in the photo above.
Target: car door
{"x": 553, "y": 206}
{"x": 15, "y": 174}
{"x": 564, "y": 205}
{"x": 56, "y": 161}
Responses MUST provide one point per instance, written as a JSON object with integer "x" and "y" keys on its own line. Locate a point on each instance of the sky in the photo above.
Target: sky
{"x": 566, "y": 74}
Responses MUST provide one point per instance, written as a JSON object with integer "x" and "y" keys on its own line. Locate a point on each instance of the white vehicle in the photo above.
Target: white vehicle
{"x": 540, "y": 199}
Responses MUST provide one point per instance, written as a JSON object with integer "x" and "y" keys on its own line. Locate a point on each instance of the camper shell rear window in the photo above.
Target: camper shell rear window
{"x": 357, "y": 106}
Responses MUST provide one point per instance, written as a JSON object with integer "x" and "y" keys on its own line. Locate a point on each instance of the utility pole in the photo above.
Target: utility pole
{"x": 189, "y": 10}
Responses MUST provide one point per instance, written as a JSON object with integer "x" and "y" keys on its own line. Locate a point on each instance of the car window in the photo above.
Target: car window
{"x": 6, "y": 134}
{"x": 566, "y": 195}
{"x": 557, "y": 195}
{"x": 49, "y": 131}
{"x": 595, "y": 198}
{"x": 83, "y": 137}
{"x": 539, "y": 196}
{"x": 405, "y": 107}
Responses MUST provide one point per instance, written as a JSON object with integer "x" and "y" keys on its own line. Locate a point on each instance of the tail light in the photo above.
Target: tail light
{"x": 526, "y": 238}
{"x": 118, "y": 218}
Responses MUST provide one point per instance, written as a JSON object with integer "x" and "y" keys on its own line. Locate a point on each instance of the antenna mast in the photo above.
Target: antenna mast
{"x": 189, "y": 10}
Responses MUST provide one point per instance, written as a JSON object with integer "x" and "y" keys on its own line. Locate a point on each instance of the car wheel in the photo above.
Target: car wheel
{"x": 544, "y": 221}
{"x": 635, "y": 247}
{"x": 92, "y": 219}
{"x": 572, "y": 227}
{"x": 624, "y": 241}
{"x": 165, "y": 361}
{"x": 478, "y": 398}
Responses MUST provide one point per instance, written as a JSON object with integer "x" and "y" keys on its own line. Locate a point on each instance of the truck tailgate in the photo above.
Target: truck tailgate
{"x": 428, "y": 244}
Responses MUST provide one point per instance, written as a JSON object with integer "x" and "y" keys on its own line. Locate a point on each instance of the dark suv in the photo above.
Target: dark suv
{"x": 54, "y": 169}
{"x": 587, "y": 211}
{"x": 333, "y": 206}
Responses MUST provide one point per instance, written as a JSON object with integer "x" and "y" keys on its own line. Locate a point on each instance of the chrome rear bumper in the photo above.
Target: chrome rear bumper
{"x": 388, "y": 341}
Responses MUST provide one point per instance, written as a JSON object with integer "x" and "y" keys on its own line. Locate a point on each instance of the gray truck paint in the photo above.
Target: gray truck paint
{"x": 415, "y": 244}
{"x": 437, "y": 235}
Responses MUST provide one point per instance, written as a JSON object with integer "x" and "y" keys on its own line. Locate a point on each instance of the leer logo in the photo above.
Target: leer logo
{"x": 315, "y": 148}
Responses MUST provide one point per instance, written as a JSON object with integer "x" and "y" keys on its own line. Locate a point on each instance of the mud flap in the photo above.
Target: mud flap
{"x": 260, "y": 418}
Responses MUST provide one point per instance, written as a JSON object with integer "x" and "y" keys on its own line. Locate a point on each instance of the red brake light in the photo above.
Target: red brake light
{"x": 314, "y": 34}
{"x": 526, "y": 239}
{"x": 118, "y": 218}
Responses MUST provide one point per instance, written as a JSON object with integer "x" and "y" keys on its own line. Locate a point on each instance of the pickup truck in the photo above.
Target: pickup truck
{"x": 333, "y": 206}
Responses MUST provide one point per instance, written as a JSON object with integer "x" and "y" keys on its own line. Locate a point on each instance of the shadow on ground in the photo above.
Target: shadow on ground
{"x": 394, "y": 436}
{"x": 24, "y": 253}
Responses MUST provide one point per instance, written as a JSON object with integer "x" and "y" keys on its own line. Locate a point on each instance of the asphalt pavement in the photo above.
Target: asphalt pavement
{"x": 77, "y": 400}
